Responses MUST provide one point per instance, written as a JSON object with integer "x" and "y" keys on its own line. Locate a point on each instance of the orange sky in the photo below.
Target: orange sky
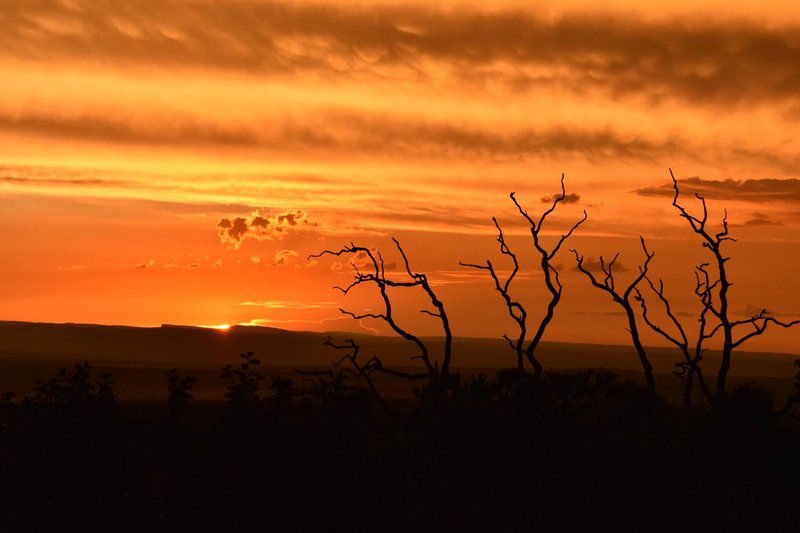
{"x": 128, "y": 131}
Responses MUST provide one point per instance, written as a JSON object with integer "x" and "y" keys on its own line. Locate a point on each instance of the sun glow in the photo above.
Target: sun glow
{"x": 220, "y": 327}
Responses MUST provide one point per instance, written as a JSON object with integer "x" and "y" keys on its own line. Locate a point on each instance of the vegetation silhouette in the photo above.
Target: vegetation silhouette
{"x": 525, "y": 449}
{"x": 572, "y": 451}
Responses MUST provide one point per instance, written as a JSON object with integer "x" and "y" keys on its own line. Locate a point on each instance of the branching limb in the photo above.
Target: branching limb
{"x": 689, "y": 368}
{"x": 370, "y": 268}
{"x": 623, "y": 299}
{"x": 515, "y": 309}
{"x": 550, "y": 273}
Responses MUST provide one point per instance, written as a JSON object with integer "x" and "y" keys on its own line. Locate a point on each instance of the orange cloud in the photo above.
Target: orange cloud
{"x": 285, "y": 257}
{"x": 262, "y": 227}
{"x": 751, "y": 190}
{"x": 714, "y": 61}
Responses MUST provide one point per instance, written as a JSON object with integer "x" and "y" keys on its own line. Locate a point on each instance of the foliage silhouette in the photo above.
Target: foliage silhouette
{"x": 179, "y": 390}
{"x": 572, "y": 451}
{"x": 243, "y": 380}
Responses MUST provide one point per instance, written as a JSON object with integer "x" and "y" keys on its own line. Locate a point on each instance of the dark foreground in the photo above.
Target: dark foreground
{"x": 580, "y": 451}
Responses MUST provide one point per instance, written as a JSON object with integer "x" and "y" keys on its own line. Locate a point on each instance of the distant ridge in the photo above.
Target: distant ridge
{"x": 185, "y": 344}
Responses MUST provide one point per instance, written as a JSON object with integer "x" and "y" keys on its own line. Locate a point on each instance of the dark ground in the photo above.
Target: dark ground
{"x": 584, "y": 450}
{"x": 580, "y": 451}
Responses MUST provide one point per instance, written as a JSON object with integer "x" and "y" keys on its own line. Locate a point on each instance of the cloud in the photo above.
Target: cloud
{"x": 16, "y": 180}
{"x": 233, "y": 230}
{"x": 262, "y": 227}
{"x": 570, "y": 198}
{"x": 751, "y": 190}
{"x": 761, "y": 219}
{"x": 175, "y": 130}
{"x": 357, "y": 132}
{"x": 361, "y": 262}
{"x": 152, "y": 263}
{"x": 285, "y": 257}
{"x": 285, "y": 304}
{"x": 707, "y": 61}
{"x": 72, "y": 268}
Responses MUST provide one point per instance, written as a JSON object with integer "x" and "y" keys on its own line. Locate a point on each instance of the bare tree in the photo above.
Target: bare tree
{"x": 689, "y": 369}
{"x": 376, "y": 275}
{"x": 718, "y": 301}
{"x": 623, "y": 299}
{"x": 516, "y": 310}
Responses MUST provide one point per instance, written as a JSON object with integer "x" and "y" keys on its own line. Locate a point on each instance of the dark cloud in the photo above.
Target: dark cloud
{"x": 358, "y": 261}
{"x": 15, "y": 180}
{"x": 705, "y": 61}
{"x": 752, "y": 190}
{"x": 570, "y": 198}
{"x": 343, "y": 132}
{"x": 348, "y": 131}
{"x": 233, "y": 229}
{"x": 262, "y": 227}
{"x": 761, "y": 219}
{"x": 105, "y": 128}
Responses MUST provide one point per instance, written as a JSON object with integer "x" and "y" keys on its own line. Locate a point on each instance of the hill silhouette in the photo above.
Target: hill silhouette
{"x": 138, "y": 355}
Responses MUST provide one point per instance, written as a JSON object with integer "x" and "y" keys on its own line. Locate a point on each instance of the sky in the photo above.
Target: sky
{"x": 177, "y": 161}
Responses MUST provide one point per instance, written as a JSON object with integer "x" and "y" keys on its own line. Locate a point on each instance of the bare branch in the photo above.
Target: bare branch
{"x": 377, "y": 276}
{"x": 515, "y": 309}
{"x": 623, "y": 299}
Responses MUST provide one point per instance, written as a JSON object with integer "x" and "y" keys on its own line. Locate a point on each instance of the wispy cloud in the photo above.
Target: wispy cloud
{"x": 353, "y": 132}
{"x": 751, "y": 190}
{"x": 761, "y": 219}
{"x": 288, "y": 304}
{"x": 711, "y": 61}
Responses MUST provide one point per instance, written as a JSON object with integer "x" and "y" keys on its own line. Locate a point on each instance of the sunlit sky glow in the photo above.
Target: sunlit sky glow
{"x": 130, "y": 131}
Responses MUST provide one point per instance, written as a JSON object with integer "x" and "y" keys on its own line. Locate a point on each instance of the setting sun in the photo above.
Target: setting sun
{"x": 220, "y": 327}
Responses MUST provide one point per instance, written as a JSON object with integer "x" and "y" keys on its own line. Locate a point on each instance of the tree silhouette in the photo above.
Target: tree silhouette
{"x": 243, "y": 380}
{"x": 75, "y": 387}
{"x": 515, "y": 309}
{"x": 717, "y": 289}
{"x": 179, "y": 390}
{"x": 340, "y": 374}
{"x": 435, "y": 371}
{"x": 623, "y": 299}
{"x": 689, "y": 369}
{"x": 793, "y": 399}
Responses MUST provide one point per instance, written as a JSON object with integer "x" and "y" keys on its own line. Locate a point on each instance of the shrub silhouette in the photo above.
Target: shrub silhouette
{"x": 243, "y": 380}
{"x": 572, "y": 451}
{"x": 179, "y": 389}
